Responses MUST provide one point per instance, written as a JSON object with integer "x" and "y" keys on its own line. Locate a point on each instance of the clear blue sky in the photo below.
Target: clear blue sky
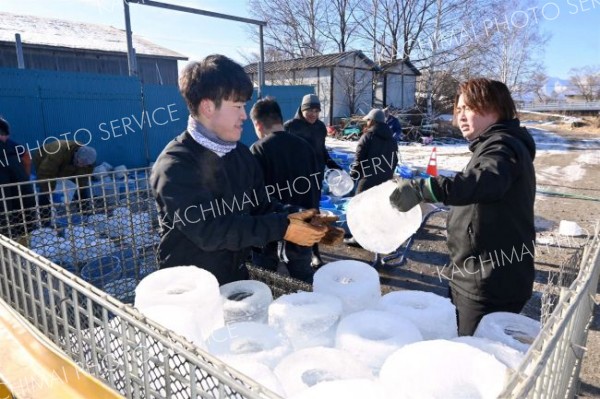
{"x": 574, "y": 26}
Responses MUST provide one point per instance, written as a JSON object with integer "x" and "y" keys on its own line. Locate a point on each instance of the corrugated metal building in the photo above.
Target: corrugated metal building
{"x": 345, "y": 82}
{"x": 59, "y": 45}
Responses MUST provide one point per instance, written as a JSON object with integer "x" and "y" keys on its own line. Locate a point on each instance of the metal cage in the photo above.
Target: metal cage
{"x": 69, "y": 264}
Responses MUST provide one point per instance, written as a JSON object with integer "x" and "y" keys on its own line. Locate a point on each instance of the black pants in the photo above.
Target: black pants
{"x": 298, "y": 263}
{"x": 470, "y": 312}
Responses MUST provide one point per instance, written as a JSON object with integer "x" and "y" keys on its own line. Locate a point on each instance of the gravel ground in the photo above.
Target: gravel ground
{"x": 566, "y": 163}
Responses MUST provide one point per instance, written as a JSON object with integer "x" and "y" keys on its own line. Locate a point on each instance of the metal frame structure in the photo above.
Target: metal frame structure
{"x": 140, "y": 358}
{"x": 551, "y": 367}
{"x": 174, "y": 7}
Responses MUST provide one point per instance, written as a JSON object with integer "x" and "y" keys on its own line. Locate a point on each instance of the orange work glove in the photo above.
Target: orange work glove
{"x": 334, "y": 235}
{"x": 301, "y": 232}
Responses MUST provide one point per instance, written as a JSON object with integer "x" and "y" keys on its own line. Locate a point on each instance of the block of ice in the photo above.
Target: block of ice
{"x": 355, "y": 283}
{"x": 306, "y": 318}
{"x": 442, "y": 369}
{"x": 434, "y": 315}
{"x": 512, "y": 329}
{"x": 177, "y": 319}
{"x": 246, "y": 300}
{"x": 510, "y": 357}
{"x": 187, "y": 286}
{"x": 311, "y": 366}
{"x": 377, "y": 226}
{"x": 259, "y": 373}
{"x": 248, "y": 341}
{"x": 569, "y": 228}
{"x": 373, "y": 335}
{"x": 359, "y": 388}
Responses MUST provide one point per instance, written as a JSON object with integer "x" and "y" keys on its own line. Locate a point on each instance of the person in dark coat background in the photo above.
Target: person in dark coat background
{"x": 490, "y": 226}
{"x": 376, "y": 153}
{"x": 62, "y": 158}
{"x": 307, "y": 125}
{"x": 376, "y": 156}
{"x": 290, "y": 167}
{"x": 17, "y": 202}
{"x": 209, "y": 188}
{"x": 24, "y": 156}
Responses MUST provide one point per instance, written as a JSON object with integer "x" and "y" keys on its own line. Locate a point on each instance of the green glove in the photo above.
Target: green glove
{"x": 407, "y": 195}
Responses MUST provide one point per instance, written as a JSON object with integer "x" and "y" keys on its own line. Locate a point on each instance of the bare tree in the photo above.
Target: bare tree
{"x": 586, "y": 81}
{"x": 393, "y": 26}
{"x": 537, "y": 86}
{"x": 517, "y": 47}
{"x": 292, "y": 26}
{"x": 339, "y": 25}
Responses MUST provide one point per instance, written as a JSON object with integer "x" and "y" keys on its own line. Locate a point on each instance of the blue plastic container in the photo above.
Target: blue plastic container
{"x": 342, "y": 204}
{"x": 326, "y": 202}
{"x": 101, "y": 271}
{"x": 405, "y": 171}
{"x": 126, "y": 258}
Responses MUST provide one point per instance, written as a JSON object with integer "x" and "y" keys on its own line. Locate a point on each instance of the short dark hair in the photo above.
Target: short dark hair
{"x": 215, "y": 78}
{"x": 4, "y": 127}
{"x": 266, "y": 111}
{"x": 486, "y": 95}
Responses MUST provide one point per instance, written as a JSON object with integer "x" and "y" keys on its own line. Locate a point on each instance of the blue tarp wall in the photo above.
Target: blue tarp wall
{"x": 126, "y": 121}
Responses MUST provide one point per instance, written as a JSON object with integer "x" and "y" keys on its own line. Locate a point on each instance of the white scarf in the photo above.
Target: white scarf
{"x": 209, "y": 139}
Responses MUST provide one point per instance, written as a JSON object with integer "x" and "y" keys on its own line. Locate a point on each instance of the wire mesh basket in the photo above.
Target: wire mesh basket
{"x": 87, "y": 252}
{"x": 70, "y": 262}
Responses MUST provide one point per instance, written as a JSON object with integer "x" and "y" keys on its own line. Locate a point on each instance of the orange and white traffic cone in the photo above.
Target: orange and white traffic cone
{"x": 432, "y": 166}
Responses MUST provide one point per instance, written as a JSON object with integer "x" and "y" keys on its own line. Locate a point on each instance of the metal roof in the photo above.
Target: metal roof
{"x": 318, "y": 61}
{"x": 409, "y": 64}
{"x": 50, "y": 32}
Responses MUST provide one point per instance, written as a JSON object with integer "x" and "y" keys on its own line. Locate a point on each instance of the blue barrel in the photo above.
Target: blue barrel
{"x": 101, "y": 271}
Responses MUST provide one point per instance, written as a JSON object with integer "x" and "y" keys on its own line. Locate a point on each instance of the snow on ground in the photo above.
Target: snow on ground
{"x": 450, "y": 158}
{"x": 453, "y": 158}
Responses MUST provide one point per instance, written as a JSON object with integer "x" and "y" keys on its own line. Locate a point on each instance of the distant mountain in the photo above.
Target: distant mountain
{"x": 556, "y": 87}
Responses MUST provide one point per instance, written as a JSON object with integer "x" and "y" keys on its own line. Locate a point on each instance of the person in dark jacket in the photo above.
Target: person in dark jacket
{"x": 491, "y": 222}
{"x": 307, "y": 125}
{"x": 376, "y": 156}
{"x": 62, "y": 158}
{"x": 291, "y": 170}
{"x": 24, "y": 156}
{"x": 209, "y": 188}
{"x": 17, "y": 201}
{"x": 376, "y": 153}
